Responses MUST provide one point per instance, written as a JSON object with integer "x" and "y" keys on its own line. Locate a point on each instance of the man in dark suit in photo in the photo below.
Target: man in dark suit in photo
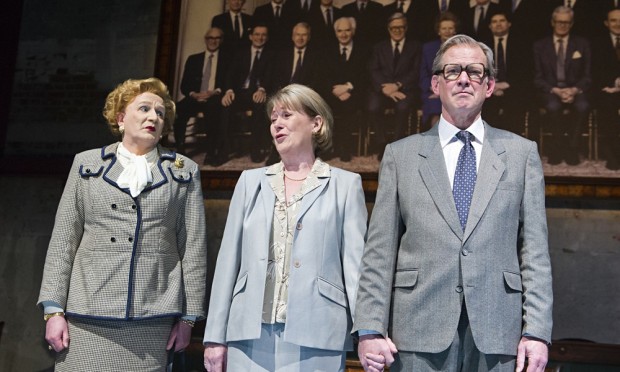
{"x": 414, "y": 13}
{"x": 563, "y": 80}
{"x": 322, "y": 23}
{"x": 201, "y": 85}
{"x": 271, "y": 15}
{"x": 299, "y": 63}
{"x": 394, "y": 72}
{"x": 346, "y": 85}
{"x": 606, "y": 88}
{"x": 456, "y": 274}
{"x": 235, "y": 25}
{"x": 508, "y": 104}
{"x": 476, "y": 19}
{"x": 369, "y": 20}
{"x": 246, "y": 89}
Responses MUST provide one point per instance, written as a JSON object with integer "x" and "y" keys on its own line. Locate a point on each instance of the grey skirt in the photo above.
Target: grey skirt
{"x": 270, "y": 353}
{"x": 115, "y": 345}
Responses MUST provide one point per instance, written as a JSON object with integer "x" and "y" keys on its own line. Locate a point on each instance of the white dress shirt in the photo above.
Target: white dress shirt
{"x": 452, "y": 146}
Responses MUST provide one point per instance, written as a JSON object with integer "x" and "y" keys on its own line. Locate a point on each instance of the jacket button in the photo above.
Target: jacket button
{"x": 465, "y": 252}
{"x": 299, "y": 226}
{"x": 297, "y": 264}
{"x": 113, "y": 239}
{"x": 133, "y": 206}
{"x": 87, "y": 170}
{"x": 113, "y": 206}
{"x": 459, "y": 288}
{"x": 130, "y": 239}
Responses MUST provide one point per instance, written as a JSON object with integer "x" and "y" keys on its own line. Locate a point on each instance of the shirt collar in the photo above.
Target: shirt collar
{"x": 447, "y": 131}
{"x": 401, "y": 43}
{"x": 320, "y": 169}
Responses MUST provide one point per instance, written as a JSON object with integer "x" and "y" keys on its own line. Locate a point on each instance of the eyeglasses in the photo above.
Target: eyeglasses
{"x": 213, "y": 38}
{"x": 475, "y": 71}
{"x": 397, "y": 28}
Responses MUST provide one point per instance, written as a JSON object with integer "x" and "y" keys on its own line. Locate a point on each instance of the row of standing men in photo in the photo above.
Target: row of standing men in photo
{"x": 355, "y": 76}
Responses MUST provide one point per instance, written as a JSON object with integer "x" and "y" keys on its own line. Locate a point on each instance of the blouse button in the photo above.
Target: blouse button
{"x": 299, "y": 226}
{"x": 297, "y": 264}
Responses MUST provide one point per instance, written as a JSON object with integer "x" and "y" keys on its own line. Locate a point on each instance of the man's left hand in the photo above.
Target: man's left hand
{"x": 536, "y": 352}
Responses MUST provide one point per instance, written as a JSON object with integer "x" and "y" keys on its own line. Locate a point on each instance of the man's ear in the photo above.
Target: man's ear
{"x": 435, "y": 84}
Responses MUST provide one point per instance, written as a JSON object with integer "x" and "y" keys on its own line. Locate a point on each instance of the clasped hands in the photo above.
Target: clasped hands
{"x": 376, "y": 352}
{"x": 392, "y": 91}
{"x": 341, "y": 91}
{"x": 567, "y": 95}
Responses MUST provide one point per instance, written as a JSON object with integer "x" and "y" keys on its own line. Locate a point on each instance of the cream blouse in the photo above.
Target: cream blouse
{"x": 281, "y": 240}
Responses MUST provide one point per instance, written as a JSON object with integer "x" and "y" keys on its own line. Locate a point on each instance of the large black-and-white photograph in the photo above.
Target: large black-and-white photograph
{"x": 564, "y": 99}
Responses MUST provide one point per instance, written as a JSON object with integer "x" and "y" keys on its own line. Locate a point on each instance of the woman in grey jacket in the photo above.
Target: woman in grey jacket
{"x": 286, "y": 275}
{"x": 124, "y": 277}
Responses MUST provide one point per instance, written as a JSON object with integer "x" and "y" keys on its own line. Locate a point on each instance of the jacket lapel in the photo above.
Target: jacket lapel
{"x": 268, "y": 200}
{"x": 115, "y": 168}
{"x": 159, "y": 172}
{"x": 435, "y": 176}
{"x": 311, "y": 197}
{"x": 490, "y": 172}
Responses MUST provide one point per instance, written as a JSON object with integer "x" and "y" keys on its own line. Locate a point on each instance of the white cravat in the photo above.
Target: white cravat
{"x": 137, "y": 173}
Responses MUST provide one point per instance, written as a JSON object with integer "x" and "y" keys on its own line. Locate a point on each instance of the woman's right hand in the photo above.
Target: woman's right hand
{"x": 57, "y": 333}
{"x": 215, "y": 357}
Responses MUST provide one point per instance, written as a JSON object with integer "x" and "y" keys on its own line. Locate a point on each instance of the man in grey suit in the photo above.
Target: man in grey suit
{"x": 456, "y": 267}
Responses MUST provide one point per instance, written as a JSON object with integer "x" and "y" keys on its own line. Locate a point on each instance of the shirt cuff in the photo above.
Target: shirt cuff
{"x": 365, "y": 332}
{"x": 50, "y": 307}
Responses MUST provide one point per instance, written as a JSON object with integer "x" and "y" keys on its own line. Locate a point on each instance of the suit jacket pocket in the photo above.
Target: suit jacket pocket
{"x": 181, "y": 176}
{"x": 513, "y": 186}
{"x": 240, "y": 285}
{"x": 332, "y": 292}
{"x": 513, "y": 281}
{"x": 405, "y": 278}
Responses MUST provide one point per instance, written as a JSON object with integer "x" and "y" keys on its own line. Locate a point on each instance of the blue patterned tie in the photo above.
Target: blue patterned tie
{"x": 464, "y": 177}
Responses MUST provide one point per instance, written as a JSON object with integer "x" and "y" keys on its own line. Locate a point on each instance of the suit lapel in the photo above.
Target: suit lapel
{"x": 435, "y": 176}
{"x": 269, "y": 200}
{"x": 311, "y": 197}
{"x": 490, "y": 172}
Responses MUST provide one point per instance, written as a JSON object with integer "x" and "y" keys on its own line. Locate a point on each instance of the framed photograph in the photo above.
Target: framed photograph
{"x": 183, "y": 25}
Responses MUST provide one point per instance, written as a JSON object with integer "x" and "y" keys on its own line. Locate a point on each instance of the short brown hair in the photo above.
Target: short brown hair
{"x": 124, "y": 93}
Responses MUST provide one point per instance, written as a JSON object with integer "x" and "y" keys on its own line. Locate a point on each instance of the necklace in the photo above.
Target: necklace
{"x": 294, "y": 179}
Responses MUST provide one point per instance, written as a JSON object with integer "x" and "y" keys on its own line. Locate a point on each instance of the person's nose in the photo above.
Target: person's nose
{"x": 463, "y": 79}
{"x": 152, "y": 115}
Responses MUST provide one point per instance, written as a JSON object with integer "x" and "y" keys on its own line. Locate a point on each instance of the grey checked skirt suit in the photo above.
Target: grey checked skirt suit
{"x": 125, "y": 268}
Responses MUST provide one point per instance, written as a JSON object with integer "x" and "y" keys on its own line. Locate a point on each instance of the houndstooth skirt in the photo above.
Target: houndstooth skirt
{"x": 115, "y": 345}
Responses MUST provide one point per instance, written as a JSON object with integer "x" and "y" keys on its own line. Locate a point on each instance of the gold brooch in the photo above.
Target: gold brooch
{"x": 179, "y": 163}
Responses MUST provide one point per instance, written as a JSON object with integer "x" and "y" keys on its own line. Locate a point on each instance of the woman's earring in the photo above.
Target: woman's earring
{"x": 121, "y": 129}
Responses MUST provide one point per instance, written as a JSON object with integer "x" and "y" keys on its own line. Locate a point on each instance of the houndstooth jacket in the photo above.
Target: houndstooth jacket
{"x": 112, "y": 256}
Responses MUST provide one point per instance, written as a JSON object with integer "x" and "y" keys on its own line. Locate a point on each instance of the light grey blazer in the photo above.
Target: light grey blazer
{"x": 112, "y": 256}
{"x": 409, "y": 284}
{"x": 326, "y": 254}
